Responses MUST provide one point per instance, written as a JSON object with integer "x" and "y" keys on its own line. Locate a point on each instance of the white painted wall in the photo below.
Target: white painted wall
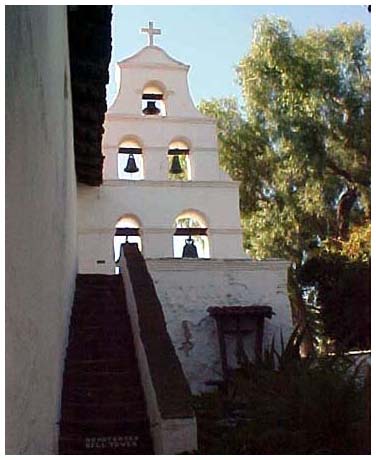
{"x": 40, "y": 223}
{"x": 170, "y": 435}
{"x": 186, "y": 288}
{"x": 153, "y": 64}
{"x": 156, "y": 134}
{"x": 156, "y": 205}
{"x": 155, "y": 200}
{"x": 183, "y": 121}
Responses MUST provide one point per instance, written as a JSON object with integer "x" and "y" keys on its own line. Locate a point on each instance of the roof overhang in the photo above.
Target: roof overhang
{"x": 89, "y": 29}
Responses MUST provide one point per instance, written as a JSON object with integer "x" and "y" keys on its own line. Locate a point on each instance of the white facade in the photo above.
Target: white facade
{"x": 41, "y": 231}
{"x": 186, "y": 288}
{"x": 155, "y": 200}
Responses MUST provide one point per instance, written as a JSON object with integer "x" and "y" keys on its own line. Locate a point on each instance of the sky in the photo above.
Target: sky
{"x": 212, "y": 39}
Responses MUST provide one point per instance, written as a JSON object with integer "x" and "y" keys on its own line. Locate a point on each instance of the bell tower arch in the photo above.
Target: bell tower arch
{"x": 154, "y": 99}
{"x": 130, "y": 160}
{"x": 191, "y": 235}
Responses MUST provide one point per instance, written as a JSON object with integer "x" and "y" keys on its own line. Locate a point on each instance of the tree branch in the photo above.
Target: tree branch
{"x": 345, "y": 174}
{"x": 343, "y": 212}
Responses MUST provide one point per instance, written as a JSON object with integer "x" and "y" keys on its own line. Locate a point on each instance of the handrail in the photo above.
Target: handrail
{"x": 167, "y": 392}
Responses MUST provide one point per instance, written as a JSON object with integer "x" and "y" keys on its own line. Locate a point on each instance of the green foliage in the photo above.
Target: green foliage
{"x": 303, "y": 136}
{"x": 241, "y": 149}
{"x": 298, "y": 406}
{"x": 301, "y": 142}
{"x": 356, "y": 248}
{"x": 343, "y": 298}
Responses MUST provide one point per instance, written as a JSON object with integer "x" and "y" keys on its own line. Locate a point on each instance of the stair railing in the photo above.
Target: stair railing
{"x": 167, "y": 392}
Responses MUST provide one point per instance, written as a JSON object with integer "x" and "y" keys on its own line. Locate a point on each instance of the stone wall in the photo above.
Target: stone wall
{"x": 40, "y": 223}
{"x": 186, "y": 288}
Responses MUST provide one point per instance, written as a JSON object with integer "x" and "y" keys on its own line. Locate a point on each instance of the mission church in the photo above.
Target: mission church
{"x": 166, "y": 302}
{"x": 164, "y": 191}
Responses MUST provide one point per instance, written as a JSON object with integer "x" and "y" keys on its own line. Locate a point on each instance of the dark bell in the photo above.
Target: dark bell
{"x": 131, "y": 165}
{"x": 151, "y": 109}
{"x": 190, "y": 249}
{"x": 176, "y": 166}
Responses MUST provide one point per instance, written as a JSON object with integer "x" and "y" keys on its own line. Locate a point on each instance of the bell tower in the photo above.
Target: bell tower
{"x": 164, "y": 190}
{"x": 161, "y": 167}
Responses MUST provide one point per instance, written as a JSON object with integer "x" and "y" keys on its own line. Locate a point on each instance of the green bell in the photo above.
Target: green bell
{"x": 176, "y": 166}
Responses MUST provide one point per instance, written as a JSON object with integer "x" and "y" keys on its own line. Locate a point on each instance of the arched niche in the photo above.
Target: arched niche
{"x": 154, "y": 96}
{"x": 178, "y": 155}
{"x": 130, "y": 146}
{"x": 127, "y": 228}
{"x": 194, "y": 223}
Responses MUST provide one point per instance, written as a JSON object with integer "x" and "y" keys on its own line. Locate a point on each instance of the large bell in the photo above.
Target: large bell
{"x": 176, "y": 166}
{"x": 190, "y": 249}
{"x": 131, "y": 165}
{"x": 151, "y": 109}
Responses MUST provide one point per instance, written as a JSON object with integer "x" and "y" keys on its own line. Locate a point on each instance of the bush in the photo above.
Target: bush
{"x": 292, "y": 406}
{"x": 344, "y": 298}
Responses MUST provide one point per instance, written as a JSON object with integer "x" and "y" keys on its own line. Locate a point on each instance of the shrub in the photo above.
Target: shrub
{"x": 285, "y": 404}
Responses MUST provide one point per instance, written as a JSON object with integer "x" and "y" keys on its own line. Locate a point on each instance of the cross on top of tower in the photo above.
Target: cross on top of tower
{"x": 151, "y": 32}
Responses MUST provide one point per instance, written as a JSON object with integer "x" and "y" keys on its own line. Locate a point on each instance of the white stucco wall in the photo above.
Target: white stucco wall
{"x": 156, "y": 205}
{"x": 170, "y": 435}
{"x": 154, "y": 133}
{"x": 155, "y": 200}
{"x": 186, "y": 288}
{"x": 153, "y": 64}
{"x": 40, "y": 223}
{"x": 155, "y": 136}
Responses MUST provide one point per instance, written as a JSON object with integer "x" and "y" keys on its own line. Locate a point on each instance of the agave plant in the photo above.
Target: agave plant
{"x": 287, "y": 404}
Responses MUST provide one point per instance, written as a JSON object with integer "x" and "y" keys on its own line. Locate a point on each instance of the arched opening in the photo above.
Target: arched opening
{"x": 179, "y": 165}
{"x": 191, "y": 224}
{"x": 153, "y": 100}
{"x": 130, "y": 159}
{"x": 126, "y": 229}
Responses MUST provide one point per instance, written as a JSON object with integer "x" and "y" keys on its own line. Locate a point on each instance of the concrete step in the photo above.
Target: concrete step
{"x": 103, "y": 409}
{"x": 98, "y": 394}
{"x": 100, "y": 365}
{"x": 103, "y": 427}
{"x": 100, "y": 378}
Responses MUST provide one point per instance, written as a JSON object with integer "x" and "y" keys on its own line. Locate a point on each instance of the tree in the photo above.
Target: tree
{"x": 301, "y": 144}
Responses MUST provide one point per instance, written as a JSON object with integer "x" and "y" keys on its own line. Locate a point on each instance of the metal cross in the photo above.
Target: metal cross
{"x": 151, "y": 32}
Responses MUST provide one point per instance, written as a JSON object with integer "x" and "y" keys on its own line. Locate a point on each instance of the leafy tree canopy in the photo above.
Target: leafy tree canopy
{"x": 301, "y": 145}
{"x": 301, "y": 149}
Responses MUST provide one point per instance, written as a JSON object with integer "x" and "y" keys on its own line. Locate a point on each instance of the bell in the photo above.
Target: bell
{"x": 131, "y": 165}
{"x": 175, "y": 166}
{"x": 151, "y": 109}
{"x": 190, "y": 249}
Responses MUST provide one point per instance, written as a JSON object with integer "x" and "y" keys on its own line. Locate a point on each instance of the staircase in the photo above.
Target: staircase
{"x": 103, "y": 409}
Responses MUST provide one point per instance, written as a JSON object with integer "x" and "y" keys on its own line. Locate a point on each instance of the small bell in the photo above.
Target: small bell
{"x": 131, "y": 165}
{"x": 175, "y": 166}
{"x": 151, "y": 109}
{"x": 190, "y": 249}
